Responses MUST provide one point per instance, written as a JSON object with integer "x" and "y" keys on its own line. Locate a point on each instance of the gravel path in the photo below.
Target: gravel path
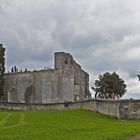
{"x": 135, "y": 137}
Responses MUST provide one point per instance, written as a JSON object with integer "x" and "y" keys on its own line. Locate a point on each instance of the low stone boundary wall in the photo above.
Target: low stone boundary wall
{"x": 32, "y": 106}
{"x": 124, "y": 109}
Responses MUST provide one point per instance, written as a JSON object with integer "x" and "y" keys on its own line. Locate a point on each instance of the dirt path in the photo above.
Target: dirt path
{"x": 135, "y": 137}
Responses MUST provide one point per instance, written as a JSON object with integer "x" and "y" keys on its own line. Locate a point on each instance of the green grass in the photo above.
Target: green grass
{"x": 64, "y": 125}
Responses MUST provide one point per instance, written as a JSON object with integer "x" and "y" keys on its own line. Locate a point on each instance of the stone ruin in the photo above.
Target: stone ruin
{"x": 66, "y": 82}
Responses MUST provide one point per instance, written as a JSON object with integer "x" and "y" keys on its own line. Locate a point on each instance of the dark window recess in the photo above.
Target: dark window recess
{"x": 66, "y": 62}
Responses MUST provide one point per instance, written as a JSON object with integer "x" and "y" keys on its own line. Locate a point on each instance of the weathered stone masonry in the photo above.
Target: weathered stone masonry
{"x": 66, "y": 82}
{"x": 123, "y": 109}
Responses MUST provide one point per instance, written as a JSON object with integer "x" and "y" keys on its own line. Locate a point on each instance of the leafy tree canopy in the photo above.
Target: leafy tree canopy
{"x": 109, "y": 85}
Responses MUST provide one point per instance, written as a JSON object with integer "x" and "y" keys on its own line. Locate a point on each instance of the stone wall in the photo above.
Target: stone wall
{"x": 123, "y": 109}
{"x": 32, "y": 106}
{"x": 66, "y": 82}
{"x": 32, "y": 87}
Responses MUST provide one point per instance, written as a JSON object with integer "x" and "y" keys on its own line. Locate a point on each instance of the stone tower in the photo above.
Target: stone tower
{"x": 73, "y": 81}
{"x": 64, "y": 64}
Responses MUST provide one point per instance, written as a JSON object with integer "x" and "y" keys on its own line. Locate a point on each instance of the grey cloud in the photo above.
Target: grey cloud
{"x": 101, "y": 35}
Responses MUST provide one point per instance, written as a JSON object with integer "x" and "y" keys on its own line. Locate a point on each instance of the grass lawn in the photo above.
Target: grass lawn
{"x": 64, "y": 125}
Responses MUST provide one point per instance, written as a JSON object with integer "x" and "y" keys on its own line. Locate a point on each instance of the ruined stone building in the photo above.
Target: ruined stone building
{"x": 66, "y": 82}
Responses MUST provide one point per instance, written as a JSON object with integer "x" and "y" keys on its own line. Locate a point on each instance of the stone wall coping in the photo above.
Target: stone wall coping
{"x": 30, "y": 72}
{"x": 9, "y": 103}
{"x": 71, "y": 102}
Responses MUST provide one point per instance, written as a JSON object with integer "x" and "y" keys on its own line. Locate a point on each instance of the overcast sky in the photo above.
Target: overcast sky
{"x": 102, "y": 35}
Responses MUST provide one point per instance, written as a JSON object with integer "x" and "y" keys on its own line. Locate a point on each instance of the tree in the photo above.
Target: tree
{"x": 12, "y": 69}
{"x": 138, "y": 76}
{"x": 2, "y": 70}
{"x": 15, "y": 69}
{"x": 109, "y": 86}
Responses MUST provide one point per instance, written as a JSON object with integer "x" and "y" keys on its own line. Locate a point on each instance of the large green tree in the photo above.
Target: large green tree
{"x": 109, "y": 85}
{"x": 2, "y": 70}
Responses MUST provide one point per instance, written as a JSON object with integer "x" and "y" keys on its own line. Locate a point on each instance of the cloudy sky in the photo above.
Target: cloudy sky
{"x": 102, "y": 35}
